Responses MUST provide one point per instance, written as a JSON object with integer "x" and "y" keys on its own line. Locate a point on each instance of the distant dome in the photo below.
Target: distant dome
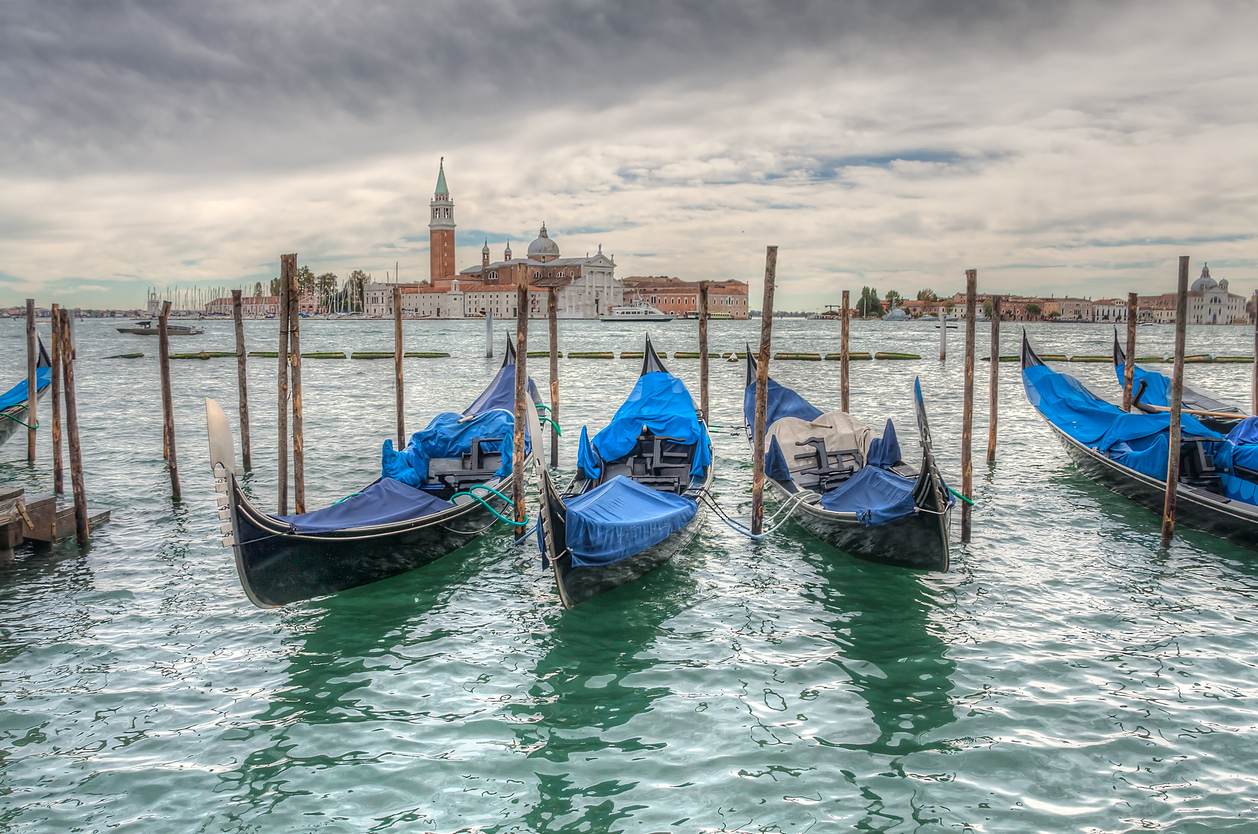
{"x": 1205, "y": 282}
{"x": 543, "y": 249}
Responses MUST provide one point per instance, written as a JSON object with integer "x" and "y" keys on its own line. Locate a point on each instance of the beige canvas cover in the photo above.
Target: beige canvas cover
{"x": 839, "y": 430}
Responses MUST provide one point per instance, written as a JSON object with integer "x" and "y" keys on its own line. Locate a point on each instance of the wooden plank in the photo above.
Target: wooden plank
{"x": 42, "y": 515}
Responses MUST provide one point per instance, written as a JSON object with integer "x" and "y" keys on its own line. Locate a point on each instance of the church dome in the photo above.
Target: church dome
{"x": 543, "y": 249}
{"x": 1205, "y": 282}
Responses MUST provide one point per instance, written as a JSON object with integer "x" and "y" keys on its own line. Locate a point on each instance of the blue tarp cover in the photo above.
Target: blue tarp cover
{"x": 446, "y": 437}
{"x": 622, "y": 518}
{"x": 781, "y": 401}
{"x": 1093, "y": 421}
{"x": 384, "y": 502}
{"x": 775, "y": 465}
{"x": 1157, "y": 387}
{"x": 876, "y": 495}
{"x": 17, "y": 394}
{"x": 885, "y": 450}
{"x": 501, "y": 393}
{"x": 588, "y": 460}
{"x": 660, "y": 403}
{"x": 1240, "y": 449}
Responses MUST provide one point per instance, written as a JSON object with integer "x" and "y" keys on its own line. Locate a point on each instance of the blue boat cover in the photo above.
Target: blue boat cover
{"x": 384, "y": 502}
{"x": 660, "y": 403}
{"x": 885, "y": 450}
{"x": 775, "y": 465}
{"x": 17, "y": 394}
{"x": 781, "y": 401}
{"x": 876, "y": 495}
{"x": 446, "y": 437}
{"x": 622, "y": 518}
{"x": 1092, "y": 421}
{"x": 1240, "y": 449}
{"x": 1157, "y": 387}
{"x": 501, "y": 393}
{"x": 588, "y": 460}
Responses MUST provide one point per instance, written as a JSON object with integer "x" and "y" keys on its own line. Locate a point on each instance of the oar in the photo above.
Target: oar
{"x": 1225, "y": 415}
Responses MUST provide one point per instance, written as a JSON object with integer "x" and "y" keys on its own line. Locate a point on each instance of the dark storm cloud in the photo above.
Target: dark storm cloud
{"x": 199, "y": 86}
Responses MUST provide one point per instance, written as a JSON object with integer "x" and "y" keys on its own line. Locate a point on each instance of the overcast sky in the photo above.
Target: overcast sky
{"x": 1057, "y": 148}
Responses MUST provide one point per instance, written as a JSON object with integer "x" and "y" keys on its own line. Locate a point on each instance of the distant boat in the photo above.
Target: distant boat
{"x": 638, "y": 311}
{"x": 896, "y": 315}
{"x": 148, "y": 328}
{"x": 928, "y": 317}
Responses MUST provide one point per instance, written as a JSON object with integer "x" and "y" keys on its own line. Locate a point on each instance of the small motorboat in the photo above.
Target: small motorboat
{"x": 150, "y": 328}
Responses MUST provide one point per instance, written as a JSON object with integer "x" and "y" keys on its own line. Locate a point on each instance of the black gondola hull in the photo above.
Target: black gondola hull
{"x": 1195, "y": 508}
{"x": 578, "y": 583}
{"x": 280, "y": 568}
{"x": 916, "y": 541}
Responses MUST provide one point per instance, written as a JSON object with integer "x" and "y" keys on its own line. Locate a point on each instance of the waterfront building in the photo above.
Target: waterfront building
{"x": 681, "y": 298}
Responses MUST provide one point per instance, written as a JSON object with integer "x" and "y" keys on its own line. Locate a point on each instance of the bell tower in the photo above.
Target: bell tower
{"x": 441, "y": 231}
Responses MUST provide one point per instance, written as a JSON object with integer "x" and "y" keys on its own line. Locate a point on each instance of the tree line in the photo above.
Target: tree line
{"x": 327, "y": 288}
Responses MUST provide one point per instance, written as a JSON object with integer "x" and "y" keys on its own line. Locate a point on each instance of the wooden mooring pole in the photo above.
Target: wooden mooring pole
{"x": 397, "y": 366}
{"x": 1129, "y": 365}
{"x": 168, "y": 403}
{"x": 967, "y": 413}
{"x": 58, "y": 478}
{"x": 943, "y": 334}
{"x": 246, "y": 455}
{"x": 762, "y": 391}
{"x": 1253, "y": 406}
{"x": 521, "y": 394}
{"x": 845, "y": 381}
{"x": 32, "y": 383}
{"x": 294, "y": 370}
{"x": 993, "y": 382}
{"x": 72, "y": 430}
{"x": 552, "y": 313}
{"x": 703, "y": 351}
{"x": 1177, "y": 402}
{"x": 489, "y": 332}
{"x": 288, "y": 266}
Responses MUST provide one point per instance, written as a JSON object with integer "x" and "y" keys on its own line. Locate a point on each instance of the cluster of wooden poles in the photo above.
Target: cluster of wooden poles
{"x": 62, "y": 389}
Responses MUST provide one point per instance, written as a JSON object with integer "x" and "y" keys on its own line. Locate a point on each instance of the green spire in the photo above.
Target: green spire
{"x": 441, "y": 179}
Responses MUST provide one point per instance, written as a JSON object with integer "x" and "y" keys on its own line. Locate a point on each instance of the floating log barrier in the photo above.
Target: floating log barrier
{"x": 540, "y": 354}
{"x": 1140, "y": 360}
{"x": 592, "y": 355}
{"x": 1200, "y": 357}
{"x": 1002, "y": 359}
{"x": 323, "y": 354}
{"x": 1177, "y": 403}
{"x": 762, "y": 393}
{"x": 736, "y": 353}
{"x": 425, "y": 354}
{"x": 967, "y": 407}
{"x": 126, "y": 356}
{"x": 629, "y": 354}
{"x": 265, "y": 354}
{"x": 694, "y": 354}
{"x": 372, "y": 354}
{"x": 896, "y": 356}
{"x": 1055, "y": 357}
{"x": 1091, "y": 359}
{"x": 838, "y": 357}
{"x": 205, "y": 354}
{"x": 1247, "y": 359}
{"x": 802, "y": 357}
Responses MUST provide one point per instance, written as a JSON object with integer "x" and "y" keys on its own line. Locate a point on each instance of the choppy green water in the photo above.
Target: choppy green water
{"x": 1067, "y": 675}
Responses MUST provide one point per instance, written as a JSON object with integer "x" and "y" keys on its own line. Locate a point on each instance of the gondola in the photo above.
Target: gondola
{"x": 1127, "y": 452}
{"x": 635, "y": 500}
{"x": 421, "y": 508}
{"x": 13, "y": 401}
{"x": 1151, "y": 393}
{"x": 848, "y": 488}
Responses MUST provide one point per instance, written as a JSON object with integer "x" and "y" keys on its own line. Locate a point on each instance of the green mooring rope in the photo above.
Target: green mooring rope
{"x": 489, "y": 507}
{"x": 19, "y": 422}
{"x": 962, "y": 497}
